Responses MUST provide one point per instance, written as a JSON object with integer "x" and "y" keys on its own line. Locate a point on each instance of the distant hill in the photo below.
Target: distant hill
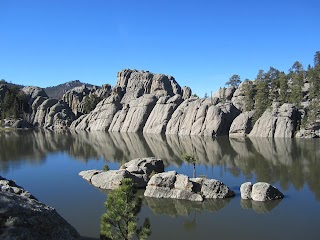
{"x": 2, "y": 81}
{"x": 58, "y": 91}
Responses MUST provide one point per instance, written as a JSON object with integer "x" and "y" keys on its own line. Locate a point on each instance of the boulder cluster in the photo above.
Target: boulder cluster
{"x": 149, "y": 173}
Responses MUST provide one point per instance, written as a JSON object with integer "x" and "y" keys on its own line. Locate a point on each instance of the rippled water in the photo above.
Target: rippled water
{"x": 47, "y": 164}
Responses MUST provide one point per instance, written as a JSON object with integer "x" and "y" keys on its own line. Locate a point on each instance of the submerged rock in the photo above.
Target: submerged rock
{"x": 260, "y": 191}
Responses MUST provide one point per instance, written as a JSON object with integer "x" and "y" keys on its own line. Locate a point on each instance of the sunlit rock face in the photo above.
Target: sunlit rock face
{"x": 179, "y": 186}
{"x": 260, "y": 191}
{"x": 139, "y": 170}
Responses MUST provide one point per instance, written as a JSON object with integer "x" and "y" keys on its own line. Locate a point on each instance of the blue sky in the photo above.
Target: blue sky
{"x": 200, "y": 43}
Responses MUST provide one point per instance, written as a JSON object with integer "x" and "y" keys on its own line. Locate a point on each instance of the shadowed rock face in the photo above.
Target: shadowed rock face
{"x": 24, "y": 217}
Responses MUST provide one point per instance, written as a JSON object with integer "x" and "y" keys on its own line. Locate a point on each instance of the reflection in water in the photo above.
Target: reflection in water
{"x": 259, "y": 207}
{"x": 287, "y": 161}
{"x": 175, "y": 207}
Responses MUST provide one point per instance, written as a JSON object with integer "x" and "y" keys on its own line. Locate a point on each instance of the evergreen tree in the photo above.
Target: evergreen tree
{"x": 261, "y": 99}
{"x": 248, "y": 90}
{"x": 234, "y": 81}
{"x": 120, "y": 220}
{"x": 191, "y": 160}
{"x": 90, "y": 102}
{"x": 297, "y": 74}
{"x": 283, "y": 85}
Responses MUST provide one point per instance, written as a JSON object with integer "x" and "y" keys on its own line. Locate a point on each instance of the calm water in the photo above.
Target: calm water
{"x": 47, "y": 164}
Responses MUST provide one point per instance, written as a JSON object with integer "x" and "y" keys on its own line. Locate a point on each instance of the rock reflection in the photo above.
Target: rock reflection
{"x": 260, "y": 207}
{"x": 175, "y": 207}
{"x": 287, "y": 161}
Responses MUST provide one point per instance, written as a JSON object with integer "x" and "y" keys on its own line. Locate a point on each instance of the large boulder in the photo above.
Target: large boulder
{"x": 241, "y": 125}
{"x": 133, "y": 116}
{"x": 161, "y": 113}
{"x": 24, "y": 217}
{"x": 139, "y": 170}
{"x": 178, "y": 186}
{"x": 102, "y": 116}
{"x": 137, "y": 83}
{"x": 260, "y": 191}
{"x": 278, "y": 122}
{"x": 200, "y": 117}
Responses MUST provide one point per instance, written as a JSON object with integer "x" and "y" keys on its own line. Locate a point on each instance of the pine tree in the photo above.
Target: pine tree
{"x": 191, "y": 160}
{"x": 234, "y": 81}
{"x": 261, "y": 99}
{"x": 283, "y": 85}
{"x": 248, "y": 90}
{"x": 120, "y": 220}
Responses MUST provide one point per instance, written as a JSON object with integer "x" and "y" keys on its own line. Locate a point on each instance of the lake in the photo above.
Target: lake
{"x": 47, "y": 164}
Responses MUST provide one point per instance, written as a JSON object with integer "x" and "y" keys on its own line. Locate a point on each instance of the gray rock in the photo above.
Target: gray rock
{"x": 137, "y": 83}
{"x": 178, "y": 186}
{"x": 278, "y": 122}
{"x": 224, "y": 93}
{"x": 260, "y": 191}
{"x": 241, "y": 125}
{"x": 139, "y": 170}
{"x": 211, "y": 188}
{"x": 200, "y": 117}
{"x": 245, "y": 190}
{"x": 33, "y": 92}
{"x": 186, "y": 92}
{"x": 136, "y": 115}
{"x": 24, "y": 217}
{"x": 101, "y": 117}
{"x": 161, "y": 113}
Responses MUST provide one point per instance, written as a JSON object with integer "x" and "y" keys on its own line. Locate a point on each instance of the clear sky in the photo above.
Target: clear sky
{"x": 201, "y": 43}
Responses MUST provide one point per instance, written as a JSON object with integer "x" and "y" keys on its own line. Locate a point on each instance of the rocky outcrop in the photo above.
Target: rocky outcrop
{"x": 241, "y": 125}
{"x": 161, "y": 113}
{"x": 24, "y": 217}
{"x": 278, "y": 122}
{"x": 139, "y": 170}
{"x": 52, "y": 114}
{"x": 178, "y": 186}
{"x": 260, "y": 191}
{"x": 200, "y": 117}
{"x": 133, "y": 117}
{"x": 224, "y": 94}
{"x": 75, "y": 97}
{"x": 137, "y": 83}
{"x": 33, "y": 92}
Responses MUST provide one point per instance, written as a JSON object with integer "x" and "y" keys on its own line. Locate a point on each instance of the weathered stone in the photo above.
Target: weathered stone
{"x": 211, "y": 188}
{"x": 139, "y": 170}
{"x": 178, "y": 186}
{"x": 161, "y": 113}
{"x": 139, "y": 83}
{"x": 199, "y": 117}
{"x": 186, "y": 92}
{"x": 245, "y": 190}
{"x": 87, "y": 175}
{"x": 241, "y": 125}
{"x": 278, "y": 122}
{"x": 24, "y": 217}
{"x": 262, "y": 191}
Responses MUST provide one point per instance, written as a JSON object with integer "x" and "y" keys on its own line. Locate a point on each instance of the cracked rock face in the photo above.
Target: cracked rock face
{"x": 24, "y": 217}
{"x": 179, "y": 186}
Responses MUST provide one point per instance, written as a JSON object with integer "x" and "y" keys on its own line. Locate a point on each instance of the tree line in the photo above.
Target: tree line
{"x": 277, "y": 86}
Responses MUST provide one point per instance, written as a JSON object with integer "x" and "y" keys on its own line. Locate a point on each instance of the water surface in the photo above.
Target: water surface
{"x": 47, "y": 164}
